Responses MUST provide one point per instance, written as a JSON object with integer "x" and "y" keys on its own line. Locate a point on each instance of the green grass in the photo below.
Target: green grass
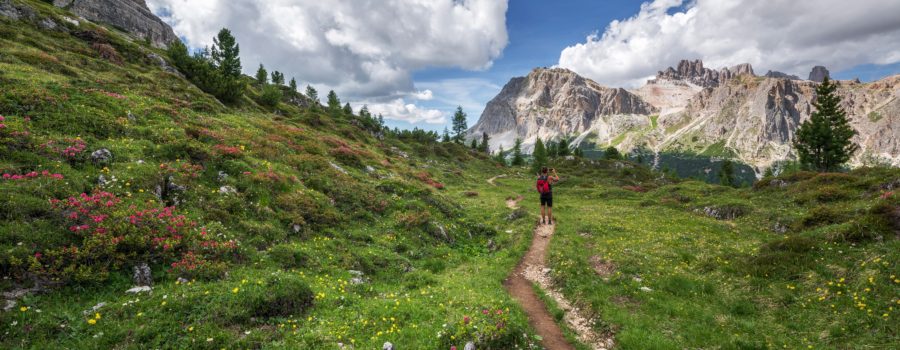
{"x": 308, "y": 197}
{"x": 731, "y": 283}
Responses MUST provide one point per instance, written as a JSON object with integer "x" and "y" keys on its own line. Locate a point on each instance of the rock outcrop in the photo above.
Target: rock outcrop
{"x": 552, "y": 102}
{"x": 131, "y": 16}
{"x": 727, "y": 112}
{"x": 780, "y": 75}
{"x": 693, "y": 72}
{"x": 818, "y": 74}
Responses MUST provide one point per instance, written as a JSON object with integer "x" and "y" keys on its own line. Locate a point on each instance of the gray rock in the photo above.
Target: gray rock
{"x": 370, "y": 169}
{"x": 139, "y": 289}
{"x": 132, "y": 16}
{"x": 10, "y": 304}
{"x": 387, "y": 346}
{"x": 48, "y": 24}
{"x": 102, "y": 181}
{"x": 142, "y": 275}
{"x": 9, "y": 10}
{"x": 162, "y": 63}
{"x": 780, "y": 75}
{"x": 101, "y": 156}
{"x": 469, "y": 346}
{"x": 227, "y": 190}
{"x": 222, "y": 176}
{"x": 94, "y": 308}
{"x": 338, "y": 168}
{"x": 818, "y": 74}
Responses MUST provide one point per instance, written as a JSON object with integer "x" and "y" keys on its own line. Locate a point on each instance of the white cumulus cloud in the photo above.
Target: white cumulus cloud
{"x": 783, "y": 35}
{"x": 362, "y": 49}
{"x": 400, "y": 110}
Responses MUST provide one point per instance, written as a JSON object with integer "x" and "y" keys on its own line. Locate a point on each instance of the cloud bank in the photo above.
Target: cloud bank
{"x": 363, "y": 49}
{"x": 783, "y": 35}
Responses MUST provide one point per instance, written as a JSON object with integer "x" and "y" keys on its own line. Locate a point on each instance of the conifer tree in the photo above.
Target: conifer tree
{"x": 485, "y": 145}
{"x": 562, "y": 148}
{"x": 334, "y": 103}
{"x": 539, "y": 155}
{"x": 612, "y": 153}
{"x": 446, "y": 137}
{"x": 824, "y": 142}
{"x": 225, "y": 54}
{"x": 518, "y": 159}
{"x": 347, "y": 109}
{"x": 293, "y": 85}
{"x": 459, "y": 125}
{"x": 726, "y": 174}
{"x": 312, "y": 94}
{"x": 262, "y": 77}
{"x": 474, "y": 144}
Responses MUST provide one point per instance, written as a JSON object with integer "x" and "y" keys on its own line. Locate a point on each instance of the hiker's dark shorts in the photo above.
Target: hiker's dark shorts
{"x": 547, "y": 199}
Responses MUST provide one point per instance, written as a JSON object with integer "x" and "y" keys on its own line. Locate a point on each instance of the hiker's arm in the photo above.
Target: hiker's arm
{"x": 555, "y": 176}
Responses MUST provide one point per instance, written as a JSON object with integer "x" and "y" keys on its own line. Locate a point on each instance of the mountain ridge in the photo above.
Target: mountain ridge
{"x": 693, "y": 108}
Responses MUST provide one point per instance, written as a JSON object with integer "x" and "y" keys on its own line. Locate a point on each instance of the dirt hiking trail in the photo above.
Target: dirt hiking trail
{"x": 532, "y": 268}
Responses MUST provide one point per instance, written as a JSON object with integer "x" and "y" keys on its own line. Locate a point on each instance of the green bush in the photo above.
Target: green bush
{"x": 270, "y": 96}
{"x": 288, "y": 256}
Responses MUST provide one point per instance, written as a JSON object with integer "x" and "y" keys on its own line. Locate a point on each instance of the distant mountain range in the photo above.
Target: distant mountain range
{"x": 730, "y": 112}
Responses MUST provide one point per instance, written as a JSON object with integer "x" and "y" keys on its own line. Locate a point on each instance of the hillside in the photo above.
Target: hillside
{"x": 139, "y": 212}
{"x": 259, "y": 225}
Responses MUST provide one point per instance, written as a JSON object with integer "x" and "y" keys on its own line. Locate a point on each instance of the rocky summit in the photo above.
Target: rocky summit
{"x": 132, "y": 16}
{"x": 691, "y": 108}
{"x": 549, "y": 103}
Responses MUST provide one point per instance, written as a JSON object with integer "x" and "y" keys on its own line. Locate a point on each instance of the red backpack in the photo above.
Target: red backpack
{"x": 543, "y": 185}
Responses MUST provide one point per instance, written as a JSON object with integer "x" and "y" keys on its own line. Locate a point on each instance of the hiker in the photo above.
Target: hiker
{"x": 545, "y": 188}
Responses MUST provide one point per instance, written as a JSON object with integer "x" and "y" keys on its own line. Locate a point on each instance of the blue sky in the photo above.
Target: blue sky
{"x": 415, "y": 61}
{"x": 538, "y": 31}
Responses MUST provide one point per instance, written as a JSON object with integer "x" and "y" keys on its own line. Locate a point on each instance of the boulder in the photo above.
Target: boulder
{"x": 101, "y": 156}
{"x": 387, "y": 346}
{"x": 142, "y": 275}
{"x": 469, "y": 346}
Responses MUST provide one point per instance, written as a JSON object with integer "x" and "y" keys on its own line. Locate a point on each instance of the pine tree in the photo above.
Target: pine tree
{"x": 539, "y": 155}
{"x": 518, "y": 159}
{"x": 293, "y": 85}
{"x": 726, "y": 174}
{"x": 612, "y": 153}
{"x": 277, "y": 78}
{"x": 364, "y": 112}
{"x": 312, "y": 94}
{"x": 824, "y": 142}
{"x": 770, "y": 172}
{"x": 334, "y": 103}
{"x": 225, "y": 54}
{"x": 446, "y": 137}
{"x": 474, "y": 144}
{"x": 347, "y": 109}
{"x": 562, "y": 148}
{"x": 485, "y": 143}
{"x": 459, "y": 125}
{"x": 262, "y": 77}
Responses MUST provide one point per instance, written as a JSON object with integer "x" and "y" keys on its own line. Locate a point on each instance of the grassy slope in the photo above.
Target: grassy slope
{"x": 417, "y": 280}
{"x": 830, "y": 282}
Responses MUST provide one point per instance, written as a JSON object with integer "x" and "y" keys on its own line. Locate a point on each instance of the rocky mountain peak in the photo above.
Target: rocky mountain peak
{"x": 694, "y": 73}
{"x": 780, "y": 75}
{"x": 818, "y": 74}
{"x": 131, "y": 16}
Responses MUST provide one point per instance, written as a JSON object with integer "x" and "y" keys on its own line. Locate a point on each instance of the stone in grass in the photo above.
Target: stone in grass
{"x": 646, "y": 289}
{"x": 94, "y": 309}
{"x": 142, "y": 275}
{"x": 469, "y": 346}
{"x": 227, "y": 190}
{"x": 101, "y": 156}
{"x": 387, "y": 346}
{"x": 357, "y": 277}
{"x": 139, "y": 289}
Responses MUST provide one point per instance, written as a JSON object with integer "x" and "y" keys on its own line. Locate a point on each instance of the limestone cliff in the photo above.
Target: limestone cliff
{"x": 131, "y": 16}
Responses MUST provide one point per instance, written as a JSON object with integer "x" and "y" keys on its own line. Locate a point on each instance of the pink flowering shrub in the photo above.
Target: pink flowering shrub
{"x": 109, "y": 236}
{"x": 228, "y": 151}
{"x": 32, "y": 175}
{"x": 70, "y": 149}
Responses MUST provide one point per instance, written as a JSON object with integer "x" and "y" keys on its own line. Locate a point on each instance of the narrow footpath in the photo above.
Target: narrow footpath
{"x": 532, "y": 269}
